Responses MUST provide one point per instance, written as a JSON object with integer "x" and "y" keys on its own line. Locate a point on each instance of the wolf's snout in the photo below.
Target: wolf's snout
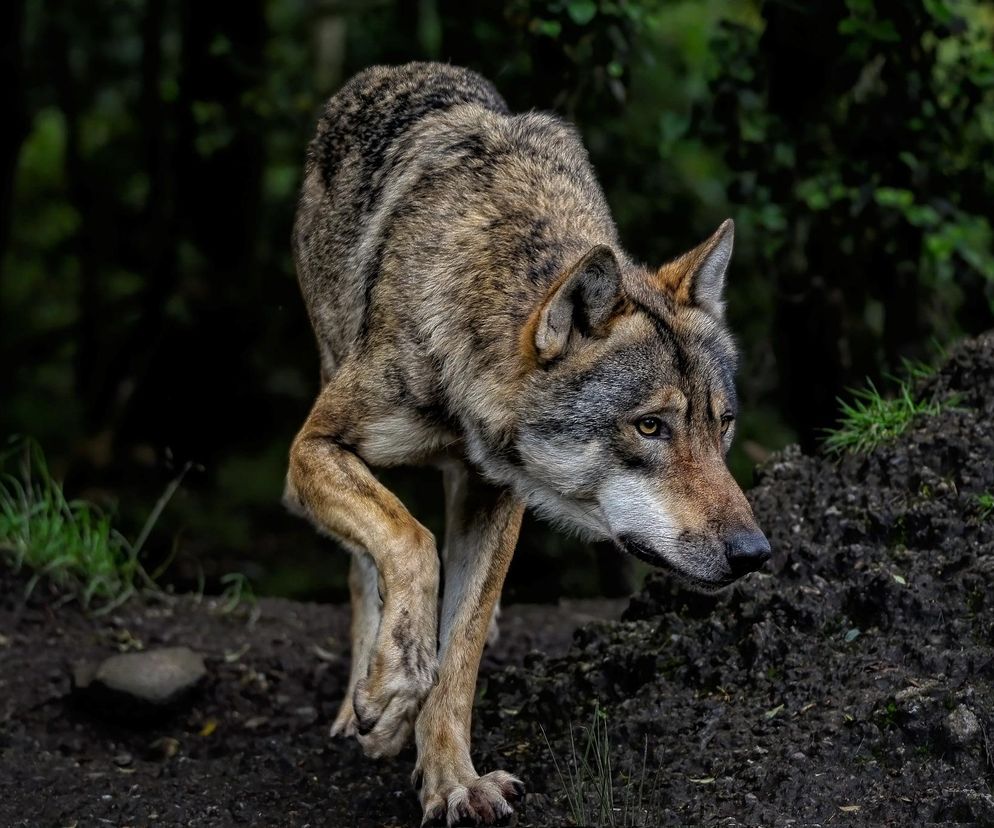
{"x": 746, "y": 552}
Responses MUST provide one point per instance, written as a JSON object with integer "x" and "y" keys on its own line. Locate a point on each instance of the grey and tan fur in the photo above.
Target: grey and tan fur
{"x": 474, "y": 310}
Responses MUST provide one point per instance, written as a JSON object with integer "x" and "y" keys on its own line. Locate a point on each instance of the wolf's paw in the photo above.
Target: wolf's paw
{"x": 485, "y": 800}
{"x": 345, "y": 721}
{"x": 386, "y": 705}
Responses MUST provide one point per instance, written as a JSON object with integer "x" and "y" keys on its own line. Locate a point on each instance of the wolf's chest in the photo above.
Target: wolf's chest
{"x": 406, "y": 438}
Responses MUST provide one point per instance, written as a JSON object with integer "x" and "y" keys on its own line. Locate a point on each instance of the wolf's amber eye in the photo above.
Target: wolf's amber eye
{"x": 653, "y": 427}
{"x": 726, "y": 422}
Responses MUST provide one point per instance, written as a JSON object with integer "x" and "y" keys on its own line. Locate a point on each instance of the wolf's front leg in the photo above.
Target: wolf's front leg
{"x": 331, "y": 484}
{"x": 366, "y": 609}
{"x": 482, "y": 525}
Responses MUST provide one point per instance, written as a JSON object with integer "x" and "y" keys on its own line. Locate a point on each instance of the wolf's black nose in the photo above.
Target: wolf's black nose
{"x": 747, "y": 552}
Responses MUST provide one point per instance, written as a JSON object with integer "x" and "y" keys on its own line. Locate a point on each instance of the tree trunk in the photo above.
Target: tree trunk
{"x": 14, "y": 107}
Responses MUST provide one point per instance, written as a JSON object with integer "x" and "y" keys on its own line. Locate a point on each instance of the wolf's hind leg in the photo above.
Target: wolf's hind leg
{"x": 331, "y": 484}
{"x": 493, "y": 629}
{"x": 482, "y": 524}
{"x": 366, "y": 608}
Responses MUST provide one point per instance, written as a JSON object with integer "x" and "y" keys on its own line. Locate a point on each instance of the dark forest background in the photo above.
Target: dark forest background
{"x": 151, "y": 152}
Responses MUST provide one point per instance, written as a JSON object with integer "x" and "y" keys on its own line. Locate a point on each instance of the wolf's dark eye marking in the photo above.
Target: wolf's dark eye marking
{"x": 726, "y": 422}
{"x": 653, "y": 427}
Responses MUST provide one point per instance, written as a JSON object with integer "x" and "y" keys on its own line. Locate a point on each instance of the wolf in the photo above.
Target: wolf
{"x": 475, "y": 311}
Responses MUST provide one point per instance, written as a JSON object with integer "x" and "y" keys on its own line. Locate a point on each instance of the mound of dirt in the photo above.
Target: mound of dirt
{"x": 853, "y": 683}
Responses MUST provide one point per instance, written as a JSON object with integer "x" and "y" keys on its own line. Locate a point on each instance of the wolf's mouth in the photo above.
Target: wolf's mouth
{"x": 643, "y": 553}
{"x": 653, "y": 558}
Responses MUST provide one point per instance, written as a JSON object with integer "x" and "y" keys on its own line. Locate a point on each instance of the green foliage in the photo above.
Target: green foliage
{"x": 985, "y": 505}
{"x": 587, "y": 779}
{"x": 871, "y": 419}
{"x": 858, "y": 137}
{"x": 237, "y": 592}
{"x": 149, "y": 306}
{"x": 71, "y": 543}
{"x": 888, "y": 715}
{"x": 826, "y": 163}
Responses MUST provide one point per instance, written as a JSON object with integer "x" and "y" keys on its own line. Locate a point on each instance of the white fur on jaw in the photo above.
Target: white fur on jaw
{"x": 637, "y": 510}
{"x": 585, "y": 519}
{"x": 558, "y": 482}
{"x": 566, "y": 466}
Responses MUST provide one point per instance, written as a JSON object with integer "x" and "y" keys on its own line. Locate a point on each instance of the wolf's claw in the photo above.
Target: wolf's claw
{"x": 486, "y": 800}
{"x": 345, "y": 722}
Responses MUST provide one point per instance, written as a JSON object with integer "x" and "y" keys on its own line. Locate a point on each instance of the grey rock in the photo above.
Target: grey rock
{"x": 140, "y": 685}
{"x": 962, "y": 726}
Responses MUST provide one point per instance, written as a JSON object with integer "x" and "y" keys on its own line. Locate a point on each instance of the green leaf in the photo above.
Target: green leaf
{"x": 581, "y": 12}
{"x": 894, "y": 197}
{"x": 909, "y": 159}
{"x": 922, "y": 215}
{"x": 939, "y": 10}
{"x": 853, "y": 634}
{"x": 549, "y": 28}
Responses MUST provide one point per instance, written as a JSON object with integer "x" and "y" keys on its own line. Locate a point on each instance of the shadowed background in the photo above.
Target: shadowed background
{"x": 150, "y": 157}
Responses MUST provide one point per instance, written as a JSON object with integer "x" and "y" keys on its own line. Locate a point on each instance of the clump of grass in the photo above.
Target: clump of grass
{"x": 71, "y": 543}
{"x": 872, "y": 419}
{"x": 985, "y": 505}
{"x": 587, "y": 778}
{"x": 237, "y": 592}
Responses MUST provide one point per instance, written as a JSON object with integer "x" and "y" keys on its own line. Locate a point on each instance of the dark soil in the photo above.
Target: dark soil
{"x": 853, "y": 684}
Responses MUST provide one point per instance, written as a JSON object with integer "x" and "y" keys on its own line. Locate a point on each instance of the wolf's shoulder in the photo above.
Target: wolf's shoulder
{"x": 380, "y": 103}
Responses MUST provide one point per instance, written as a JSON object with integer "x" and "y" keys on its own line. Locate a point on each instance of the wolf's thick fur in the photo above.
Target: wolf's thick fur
{"x": 474, "y": 310}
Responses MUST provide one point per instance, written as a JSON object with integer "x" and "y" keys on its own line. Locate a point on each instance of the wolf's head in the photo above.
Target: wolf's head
{"x": 631, "y": 408}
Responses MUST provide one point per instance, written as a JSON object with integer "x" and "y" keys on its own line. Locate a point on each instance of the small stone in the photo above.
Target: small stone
{"x": 799, "y": 756}
{"x": 165, "y": 747}
{"x": 141, "y": 685}
{"x": 962, "y": 726}
{"x": 122, "y": 760}
{"x": 308, "y": 715}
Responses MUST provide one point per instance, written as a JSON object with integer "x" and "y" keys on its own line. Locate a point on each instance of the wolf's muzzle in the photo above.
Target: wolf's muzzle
{"x": 746, "y": 552}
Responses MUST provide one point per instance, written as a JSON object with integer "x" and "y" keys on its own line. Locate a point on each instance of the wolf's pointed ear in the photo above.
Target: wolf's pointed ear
{"x": 697, "y": 278}
{"x": 581, "y": 303}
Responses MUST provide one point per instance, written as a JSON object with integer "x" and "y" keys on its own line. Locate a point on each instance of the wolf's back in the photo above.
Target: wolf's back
{"x": 431, "y": 219}
{"x": 347, "y": 176}
{"x": 380, "y": 104}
